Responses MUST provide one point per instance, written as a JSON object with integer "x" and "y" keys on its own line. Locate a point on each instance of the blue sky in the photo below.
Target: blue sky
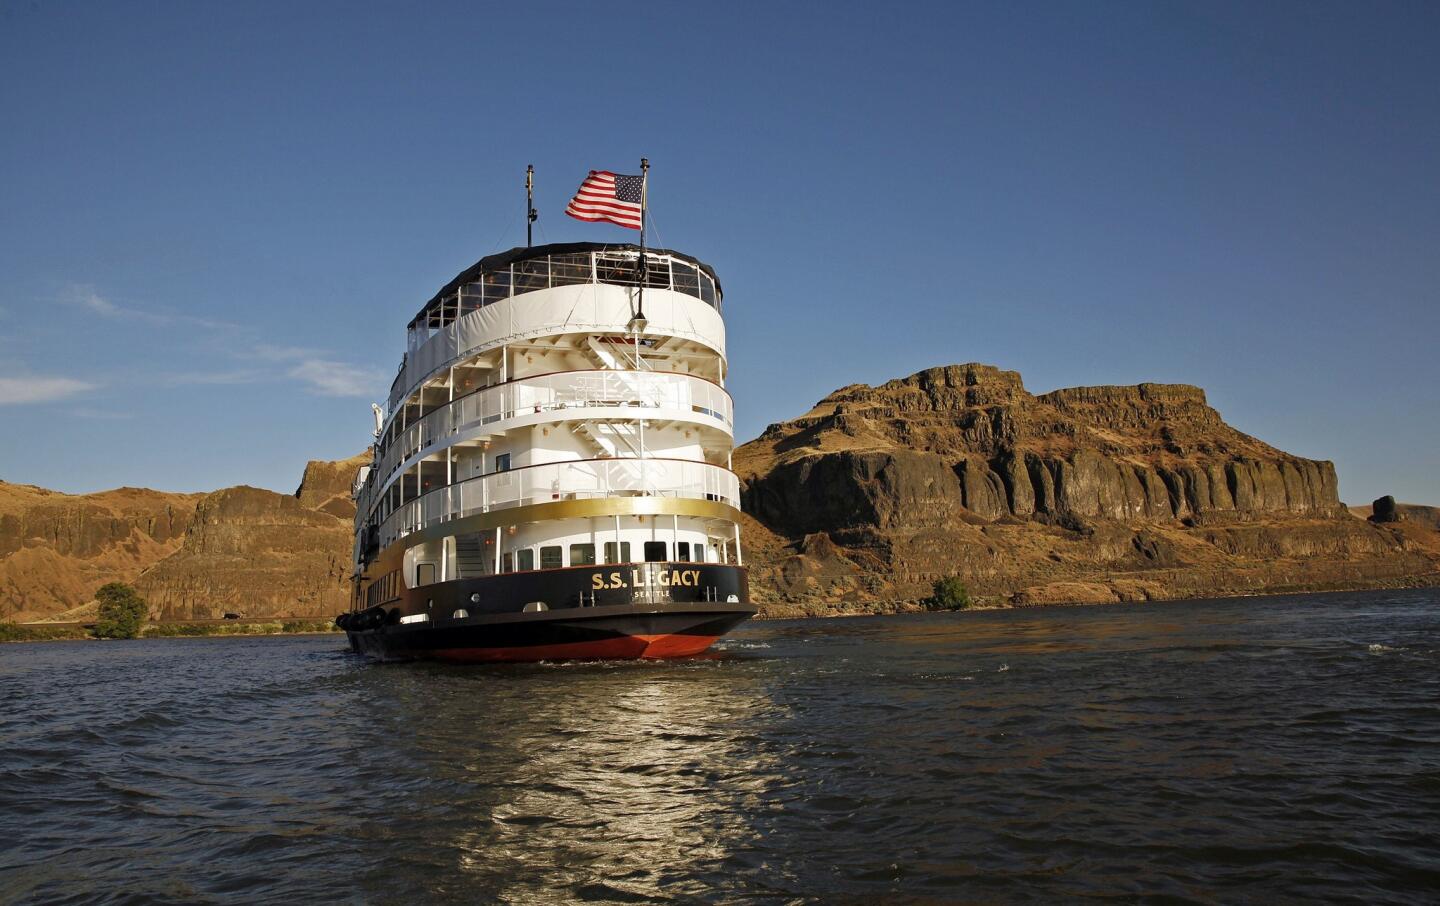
{"x": 215, "y": 219}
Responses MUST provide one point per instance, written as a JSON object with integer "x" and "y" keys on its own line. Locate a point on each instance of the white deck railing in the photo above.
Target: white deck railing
{"x": 575, "y": 480}
{"x": 632, "y": 394}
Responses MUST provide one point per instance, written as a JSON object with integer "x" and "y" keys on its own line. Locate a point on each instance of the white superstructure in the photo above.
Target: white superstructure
{"x": 543, "y": 420}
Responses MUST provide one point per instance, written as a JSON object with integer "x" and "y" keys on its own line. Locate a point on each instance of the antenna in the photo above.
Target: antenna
{"x": 637, "y": 320}
{"x": 530, "y": 212}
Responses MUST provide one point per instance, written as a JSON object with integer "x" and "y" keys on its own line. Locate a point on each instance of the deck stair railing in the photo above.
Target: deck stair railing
{"x": 470, "y": 559}
{"x": 600, "y": 389}
{"x": 552, "y": 482}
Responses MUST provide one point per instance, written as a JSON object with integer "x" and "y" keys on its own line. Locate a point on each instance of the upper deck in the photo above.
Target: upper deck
{"x": 496, "y": 278}
{"x": 556, "y": 275}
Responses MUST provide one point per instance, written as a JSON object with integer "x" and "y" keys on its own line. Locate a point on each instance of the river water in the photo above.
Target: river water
{"x": 1247, "y": 750}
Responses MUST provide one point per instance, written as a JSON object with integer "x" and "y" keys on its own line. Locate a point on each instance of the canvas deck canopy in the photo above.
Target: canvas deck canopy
{"x": 502, "y": 260}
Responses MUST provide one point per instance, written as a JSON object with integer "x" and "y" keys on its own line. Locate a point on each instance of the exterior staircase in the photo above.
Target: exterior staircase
{"x": 615, "y": 440}
{"x": 618, "y": 442}
{"x": 470, "y": 559}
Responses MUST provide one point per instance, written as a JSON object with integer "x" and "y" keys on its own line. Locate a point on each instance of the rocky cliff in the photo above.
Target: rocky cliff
{"x": 1084, "y": 494}
{"x": 1089, "y": 493}
{"x": 326, "y": 485}
{"x": 193, "y": 556}
{"x": 57, "y": 549}
{"x": 256, "y": 553}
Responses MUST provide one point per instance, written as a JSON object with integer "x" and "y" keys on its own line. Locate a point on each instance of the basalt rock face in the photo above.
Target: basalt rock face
{"x": 57, "y": 549}
{"x": 961, "y": 470}
{"x": 327, "y": 485}
{"x": 969, "y": 437}
{"x": 256, "y": 553}
{"x": 193, "y": 556}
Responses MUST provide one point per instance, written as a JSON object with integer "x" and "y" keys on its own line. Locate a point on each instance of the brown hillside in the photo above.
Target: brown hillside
{"x": 326, "y": 485}
{"x": 57, "y": 549}
{"x": 1091, "y": 493}
{"x": 1083, "y": 494}
{"x": 193, "y": 555}
{"x": 257, "y": 553}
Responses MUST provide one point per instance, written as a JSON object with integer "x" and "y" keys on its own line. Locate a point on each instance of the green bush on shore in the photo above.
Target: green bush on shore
{"x": 275, "y": 627}
{"x": 32, "y": 632}
{"x": 14, "y": 632}
{"x": 180, "y": 629}
{"x": 210, "y": 629}
{"x": 949, "y": 594}
{"x": 122, "y": 612}
{"x": 310, "y": 626}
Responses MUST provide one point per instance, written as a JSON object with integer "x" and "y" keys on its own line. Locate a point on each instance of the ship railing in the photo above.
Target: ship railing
{"x": 616, "y": 267}
{"x": 556, "y": 392}
{"x": 552, "y": 482}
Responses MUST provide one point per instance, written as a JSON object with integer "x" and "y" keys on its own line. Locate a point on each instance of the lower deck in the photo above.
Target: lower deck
{"x": 590, "y": 633}
{"x": 628, "y": 584}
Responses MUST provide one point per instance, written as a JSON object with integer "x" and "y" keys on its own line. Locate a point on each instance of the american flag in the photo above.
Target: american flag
{"x": 605, "y": 196}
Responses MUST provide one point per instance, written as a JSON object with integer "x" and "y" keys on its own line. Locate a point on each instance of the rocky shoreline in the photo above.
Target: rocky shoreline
{"x": 983, "y": 604}
{"x": 72, "y": 632}
{"x": 1079, "y": 495}
{"x": 1094, "y": 494}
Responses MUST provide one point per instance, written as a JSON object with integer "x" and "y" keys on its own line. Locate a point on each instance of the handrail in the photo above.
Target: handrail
{"x": 612, "y": 267}
{"x": 472, "y": 331}
{"x": 569, "y": 480}
{"x": 554, "y": 391}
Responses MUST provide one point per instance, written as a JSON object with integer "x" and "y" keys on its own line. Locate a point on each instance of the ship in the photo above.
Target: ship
{"x": 551, "y": 473}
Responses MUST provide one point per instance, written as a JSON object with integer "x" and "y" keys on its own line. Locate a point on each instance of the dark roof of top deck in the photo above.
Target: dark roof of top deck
{"x": 521, "y": 253}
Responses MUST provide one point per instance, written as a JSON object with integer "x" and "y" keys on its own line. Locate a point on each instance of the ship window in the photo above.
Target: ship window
{"x": 507, "y": 563}
{"x": 699, "y": 552}
{"x": 497, "y": 286}
{"x": 657, "y": 273}
{"x": 682, "y": 550}
{"x": 610, "y": 552}
{"x": 707, "y": 289}
{"x": 532, "y": 275}
{"x": 424, "y": 573}
{"x": 621, "y": 271}
{"x": 582, "y": 555}
{"x": 550, "y": 557}
{"x": 566, "y": 270}
{"x": 686, "y": 280}
{"x": 525, "y": 560}
{"x": 502, "y": 462}
{"x": 654, "y": 551}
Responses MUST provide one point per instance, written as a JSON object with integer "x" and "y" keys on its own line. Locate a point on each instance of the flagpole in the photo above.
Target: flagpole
{"x": 637, "y": 323}
{"x": 644, "y": 208}
{"x": 530, "y": 212}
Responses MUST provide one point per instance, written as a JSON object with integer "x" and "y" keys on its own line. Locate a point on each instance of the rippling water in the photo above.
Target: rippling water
{"x": 1277, "y": 748}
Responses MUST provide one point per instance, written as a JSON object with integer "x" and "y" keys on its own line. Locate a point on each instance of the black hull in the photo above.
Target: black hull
{"x": 592, "y": 633}
{"x": 650, "y": 610}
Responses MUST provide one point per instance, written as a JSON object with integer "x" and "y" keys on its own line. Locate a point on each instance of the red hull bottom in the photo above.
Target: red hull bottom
{"x": 630, "y": 647}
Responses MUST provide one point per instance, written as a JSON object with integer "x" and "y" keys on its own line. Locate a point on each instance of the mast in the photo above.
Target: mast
{"x": 644, "y": 275}
{"x": 530, "y": 212}
{"x": 638, "y": 321}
